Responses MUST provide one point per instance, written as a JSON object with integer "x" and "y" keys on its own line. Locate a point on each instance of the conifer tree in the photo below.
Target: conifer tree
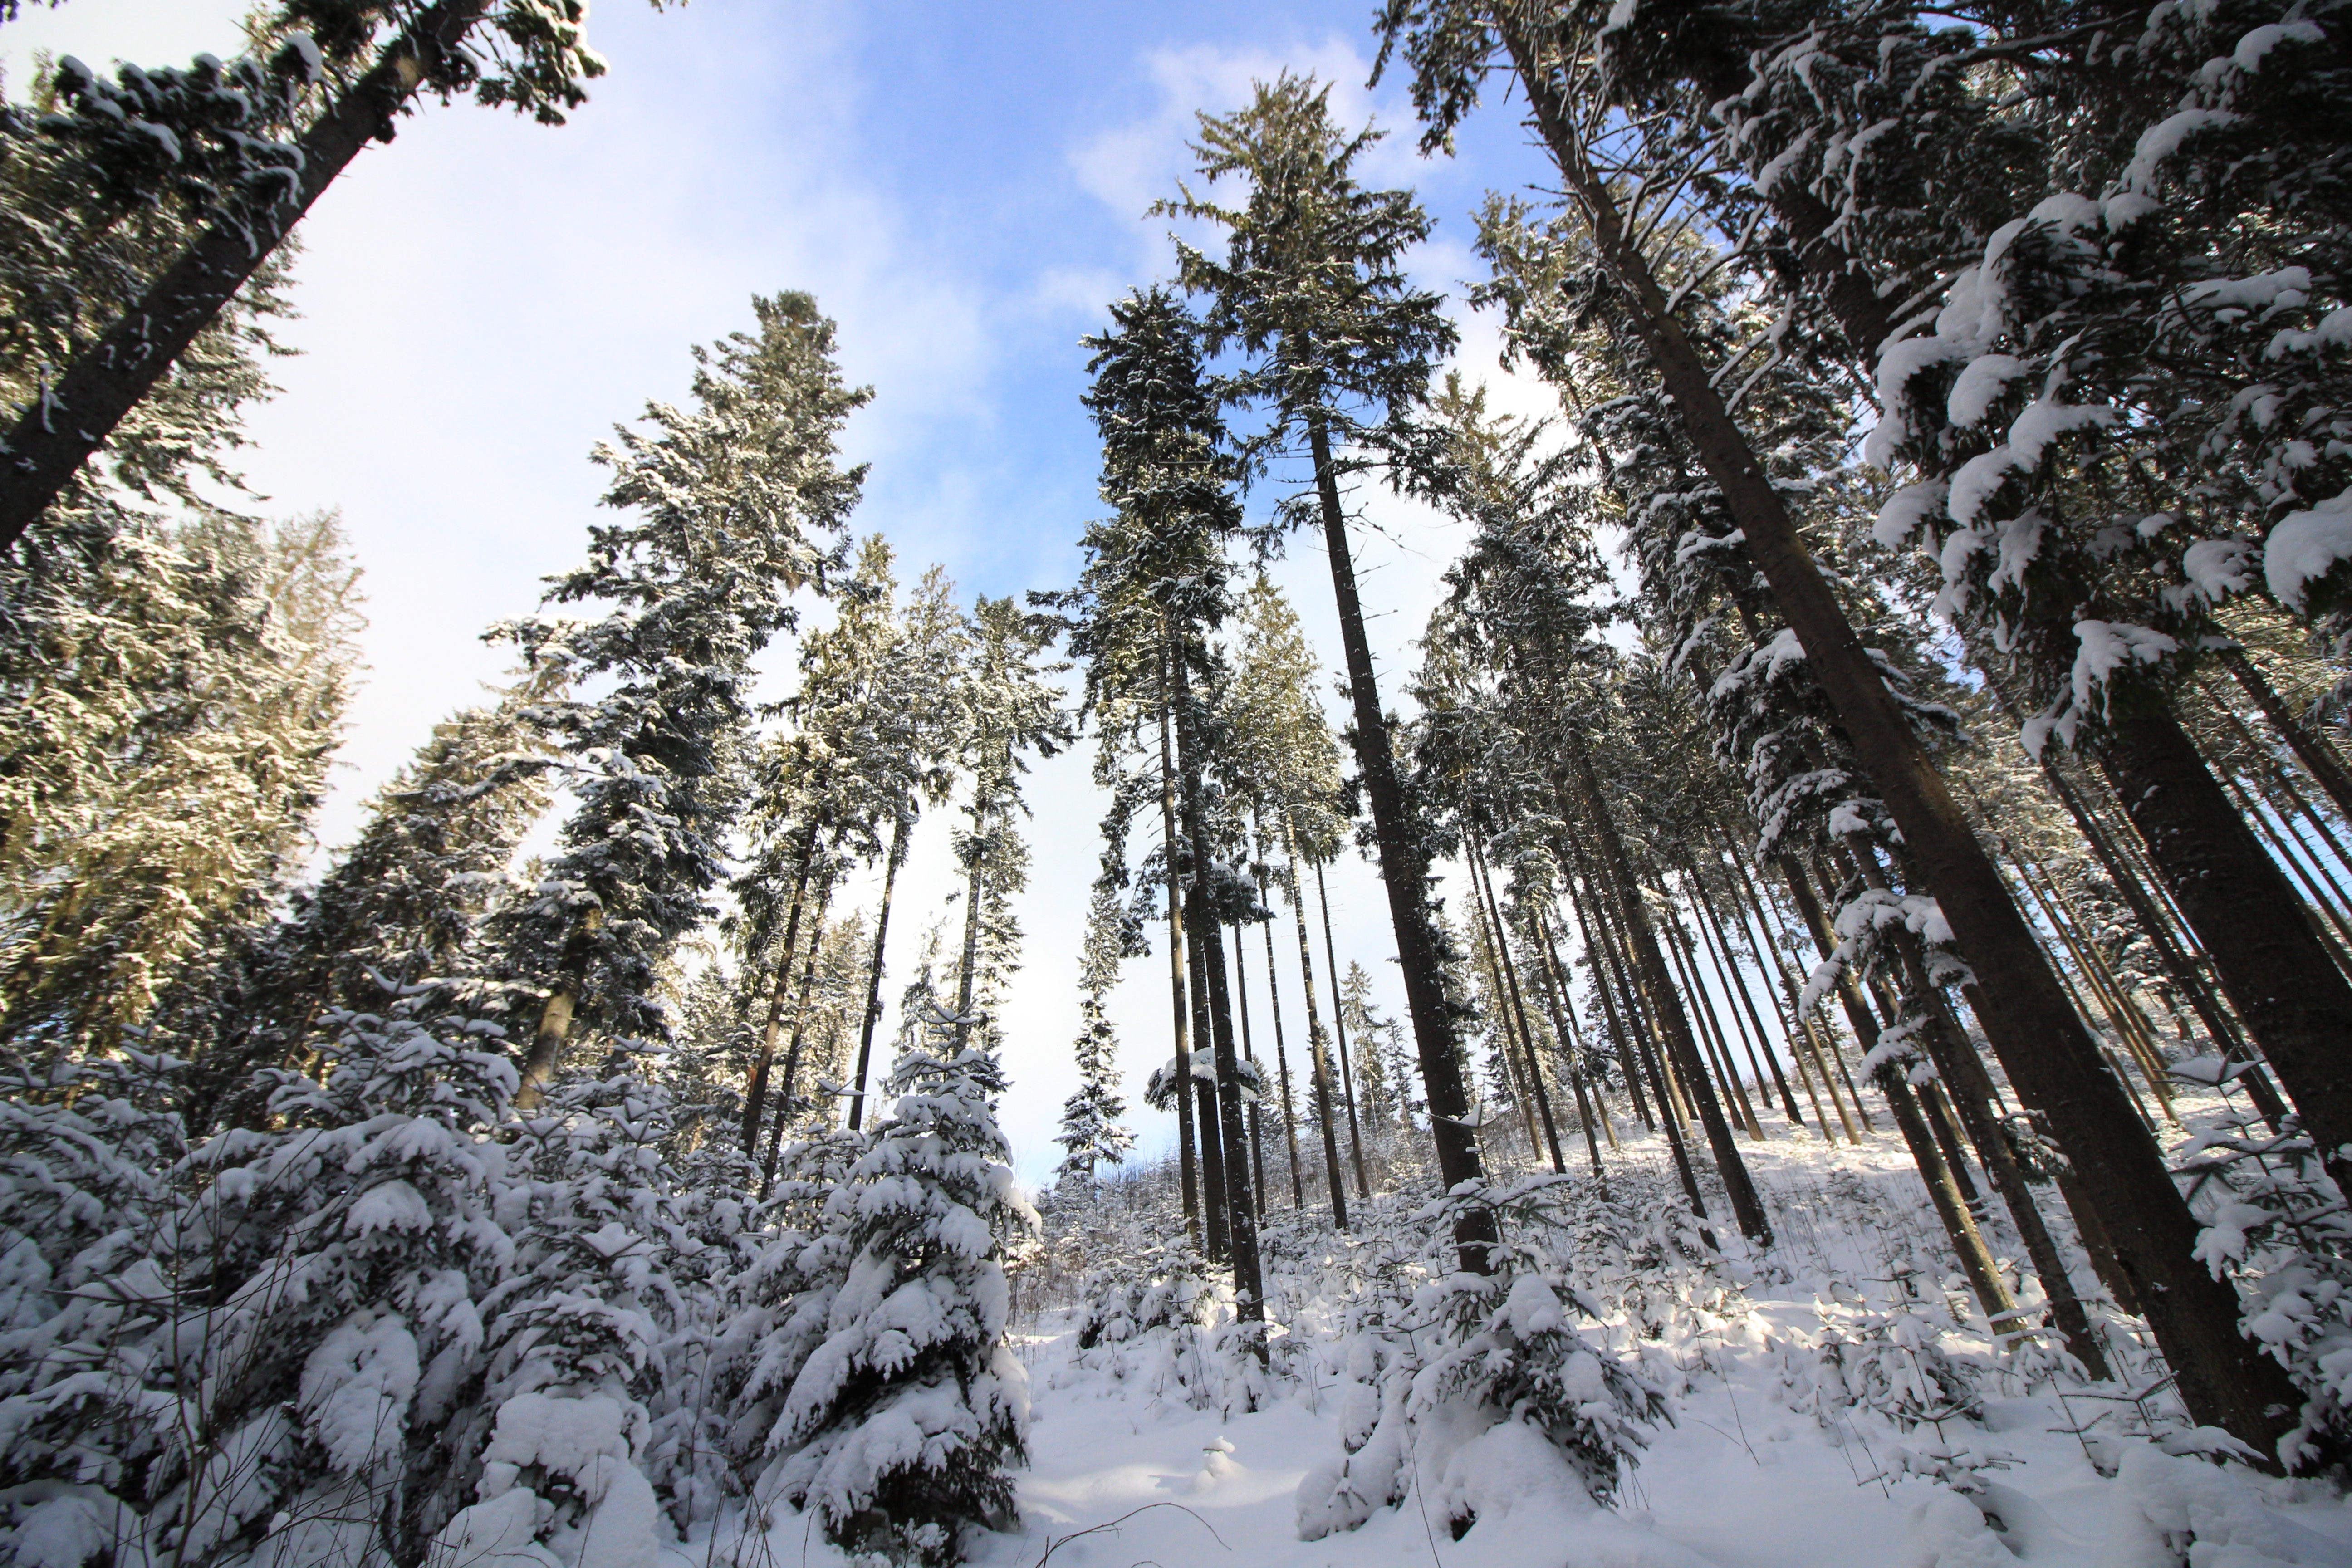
{"x": 399, "y": 914}
{"x": 1285, "y": 766}
{"x": 241, "y": 151}
{"x": 1092, "y": 1133}
{"x": 166, "y": 746}
{"x": 899, "y": 1431}
{"x": 819, "y": 796}
{"x": 734, "y": 500}
{"x": 1013, "y": 707}
{"x": 1156, "y": 586}
{"x": 2046, "y": 1050}
{"x": 1313, "y": 287}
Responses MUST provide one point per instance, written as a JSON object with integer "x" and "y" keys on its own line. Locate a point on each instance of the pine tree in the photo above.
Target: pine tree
{"x": 899, "y": 1427}
{"x": 399, "y": 914}
{"x": 1313, "y": 286}
{"x": 1092, "y": 1133}
{"x": 2048, "y": 1053}
{"x": 241, "y": 150}
{"x": 733, "y": 499}
{"x": 1011, "y": 707}
{"x": 167, "y": 745}
{"x": 819, "y": 796}
{"x": 1285, "y": 763}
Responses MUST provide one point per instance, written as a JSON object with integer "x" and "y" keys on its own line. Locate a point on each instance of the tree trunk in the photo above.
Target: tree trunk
{"x": 2294, "y": 1000}
{"x": 873, "y": 970}
{"x": 1249, "y": 1055}
{"x": 2318, "y": 758}
{"x": 1206, "y": 1122}
{"x": 1274, "y": 1001}
{"x": 1405, "y": 874}
{"x": 1562, "y": 1027}
{"x": 1317, "y": 1051}
{"x": 1186, "y": 1158}
{"x": 1501, "y": 937}
{"x": 1984, "y": 1277}
{"x": 2224, "y": 1380}
{"x": 65, "y": 423}
{"x": 1619, "y": 1034}
{"x": 1735, "y": 985}
{"x": 1747, "y": 1206}
{"x": 1339, "y": 1031}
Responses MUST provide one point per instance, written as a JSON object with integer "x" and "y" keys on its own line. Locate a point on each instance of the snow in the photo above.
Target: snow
{"x": 2219, "y": 567}
{"x": 1784, "y": 1451}
{"x": 356, "y": 1389}
{"x": 2163, "y": 139}
{"x": 1905, "y": 510}
{"x": 2252, "y": 49}
{"x": 2108, "y": 649}
{"x": 2304, "y": 546}
{"x": 1985, "y": 379}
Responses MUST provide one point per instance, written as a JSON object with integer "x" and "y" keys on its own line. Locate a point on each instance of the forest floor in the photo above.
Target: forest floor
{"x": 1797, "y": 1383}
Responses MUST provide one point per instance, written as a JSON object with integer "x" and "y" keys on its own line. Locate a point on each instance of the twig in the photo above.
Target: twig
{"x": 1055, "y": 1544}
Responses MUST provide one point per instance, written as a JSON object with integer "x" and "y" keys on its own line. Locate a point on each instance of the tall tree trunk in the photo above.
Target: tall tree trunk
{"x": 1281, "y": 1054}
{"x": 1562, "y": 1028}
{"x": 1726, "y": 964}
{"x": 1186, "y": 1157}
{"x": 1713, "y": 1049}
{"x": 2294, "y": 1000}
{"x": 1620, "y": 1034}
{"x": 1405, "y": 874}
{"x": 1340, "y": 1034}
{"x": 872, "y": 1016}
{"x": 1249, "y": 1055}
{"x": 2318, "y": 758}
{"x": 2159, "y": 924}
{"x": 968, "y": 963}
{"x": 1747, "y": 1205}
{"x": 1501, "y": 936}
{"x": 2224, "y": 1380}
{"x": 1326, "y": 1113}
{"x": 784, "y": 1103}
{"x": 1207, "y": 1124}
{"x": 63, "y": 425}
{"x": 755, "y": 1093}
{"x": 1942, "y": 1191}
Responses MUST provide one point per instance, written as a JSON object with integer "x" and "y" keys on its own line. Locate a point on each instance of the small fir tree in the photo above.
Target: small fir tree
{"x": 899, "y": 1429}
{"x": 1092, "y": 1132}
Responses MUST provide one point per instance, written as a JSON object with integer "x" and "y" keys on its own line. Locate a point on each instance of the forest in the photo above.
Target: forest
{"x": 1847, "y": 1056}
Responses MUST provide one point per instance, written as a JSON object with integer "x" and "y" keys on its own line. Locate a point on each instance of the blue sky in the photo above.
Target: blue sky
{"x": 961, "y": 186}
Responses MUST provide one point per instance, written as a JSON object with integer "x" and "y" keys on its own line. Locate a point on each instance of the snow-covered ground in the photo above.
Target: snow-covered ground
{"x": 1812, "y": 1391}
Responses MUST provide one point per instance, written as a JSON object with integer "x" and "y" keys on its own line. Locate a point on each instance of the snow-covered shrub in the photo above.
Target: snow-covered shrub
{"x": 1153, "y": 1323}
{"x": 88, "y": 1410}
{"x": 2277, "y": 1224}
{"x": 1486, "y": 1352}
{"x": 782, "y": 1298}
{"x": 1892, "y": 1362}
{"x": 899, "y": 1429}
{"x": 298, "y": 1306}
{"x": 574, "y": 1359}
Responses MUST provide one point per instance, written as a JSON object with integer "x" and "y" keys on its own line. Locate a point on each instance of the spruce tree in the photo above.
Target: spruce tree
{"x": 734, "y": 500}
{"x": 241, "y": 151}
{"x": 1155, "y": 586}
{"x": 1313, "y": 287}
{"x": 1013, "y": 707}
{"x": 899, "y": 1430}
{"x": 1092, "y": 1133}
{"x": 167, "y": 743}
{"x": 2048, "y": 1052}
